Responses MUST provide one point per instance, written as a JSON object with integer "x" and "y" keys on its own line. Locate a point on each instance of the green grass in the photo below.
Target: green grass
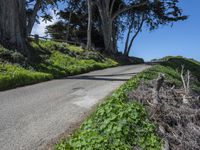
{"x": 75, "y": 48}
{"x": 189, "y": 64}
{"x": 52, "y": 45}
{"x": 60, "y": 64}
{"x": 50, "y": 60}
{"x": 120, "y": 124}
{"x": 64, "y": 59}
{"x": 12, "y": 76}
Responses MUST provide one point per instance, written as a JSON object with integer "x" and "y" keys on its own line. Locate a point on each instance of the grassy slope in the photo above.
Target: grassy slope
{"x": 120, "y": 124}
{"x": 13, "y": 76}
{"x": 51, "y": 60}
{"x": 62, "y": 59}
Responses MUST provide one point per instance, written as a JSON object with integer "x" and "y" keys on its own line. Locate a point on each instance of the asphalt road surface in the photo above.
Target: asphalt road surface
{"x": 31, "y": 116}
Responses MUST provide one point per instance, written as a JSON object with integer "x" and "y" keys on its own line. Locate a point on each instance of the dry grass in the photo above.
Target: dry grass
{"x": 178, "y": 122}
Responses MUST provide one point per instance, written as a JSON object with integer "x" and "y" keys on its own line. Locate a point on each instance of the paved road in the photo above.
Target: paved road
{"x": 33, "y": 115}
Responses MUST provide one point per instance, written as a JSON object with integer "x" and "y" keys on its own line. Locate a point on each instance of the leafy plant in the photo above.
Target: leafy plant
{"x": 117, "y": 124}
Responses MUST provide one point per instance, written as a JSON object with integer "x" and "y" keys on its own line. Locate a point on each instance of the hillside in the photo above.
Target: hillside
{"x": 49, "y": 60}
{"x": 129, "y": 118}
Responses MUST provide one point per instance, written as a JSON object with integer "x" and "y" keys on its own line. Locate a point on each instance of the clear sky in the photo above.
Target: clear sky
{"x": 181, "y": 39}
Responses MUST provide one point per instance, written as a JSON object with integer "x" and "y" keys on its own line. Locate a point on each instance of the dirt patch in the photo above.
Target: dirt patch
{"x": 178, "y": 122}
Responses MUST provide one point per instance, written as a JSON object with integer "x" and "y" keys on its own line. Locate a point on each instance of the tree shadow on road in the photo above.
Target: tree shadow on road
{"x": 104, "y": 77}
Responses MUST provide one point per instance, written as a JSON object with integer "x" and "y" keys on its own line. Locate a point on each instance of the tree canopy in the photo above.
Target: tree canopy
{"x": 101, "y": 22}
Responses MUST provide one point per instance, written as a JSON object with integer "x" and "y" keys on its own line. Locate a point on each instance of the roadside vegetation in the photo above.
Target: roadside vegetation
{"x": 14, "y": 75}
{"x": 49, "y": 60}
{"x": 62, "y": 59}
{"x": 122, "y": 122}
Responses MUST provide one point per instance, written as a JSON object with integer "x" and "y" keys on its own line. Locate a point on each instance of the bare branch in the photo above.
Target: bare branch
{"x": 188, "y": 81}
{"x": 182, "y": 78}
{"x": 186, "y": 86}
{"x": 160, "y": 81}
{"x": 173, "y": 87}
{"x": 156, "y": 90}
{"x": 198, "y": 97}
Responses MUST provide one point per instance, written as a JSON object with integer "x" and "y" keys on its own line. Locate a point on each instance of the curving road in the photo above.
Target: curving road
{"x": 31, "y": 116}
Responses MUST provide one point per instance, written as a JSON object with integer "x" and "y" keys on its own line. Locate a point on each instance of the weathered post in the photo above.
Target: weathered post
{"x": 36, "y": 38}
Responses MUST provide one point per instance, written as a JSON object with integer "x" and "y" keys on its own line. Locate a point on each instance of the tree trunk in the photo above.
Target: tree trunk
{"x": 107, "y": 24}
{"x": 115, "y": 39}
{"x": 107, "y": 34}
{"x": 68, "y": 26}
{"x": 89, "y": 30}
{"x": 133, "y": 38}
{"x": 32, "y": 17}
{"x": 108, "y": 15}
{"x": 13, "y": 24}
{"x": 128, "y": 38}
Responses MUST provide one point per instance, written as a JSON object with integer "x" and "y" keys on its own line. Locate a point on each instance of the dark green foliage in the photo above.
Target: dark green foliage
{"x": 11, "y": 56}
{"x": 74, "y": 28}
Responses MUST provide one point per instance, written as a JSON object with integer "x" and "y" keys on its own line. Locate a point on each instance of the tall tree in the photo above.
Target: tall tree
{"x": 156, "y": 12}
{"x": 135, "y": 24}
{"x": 109, "y": 10}
{"x": 154, "y": 15}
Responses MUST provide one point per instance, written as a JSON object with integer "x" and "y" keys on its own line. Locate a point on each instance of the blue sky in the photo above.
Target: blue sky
{"x": 181, "y": 39}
